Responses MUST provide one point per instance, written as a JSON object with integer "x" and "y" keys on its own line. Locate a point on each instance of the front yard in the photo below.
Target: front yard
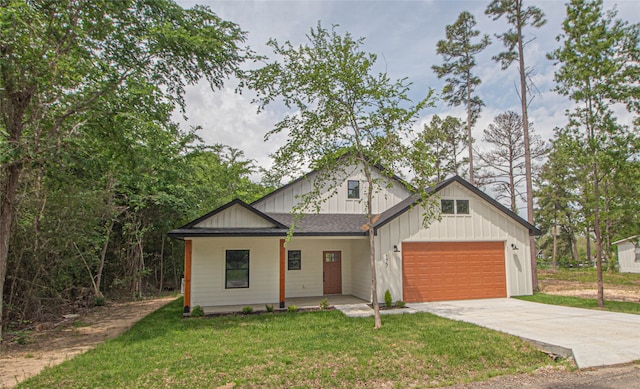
{"x": 312, "y": 349}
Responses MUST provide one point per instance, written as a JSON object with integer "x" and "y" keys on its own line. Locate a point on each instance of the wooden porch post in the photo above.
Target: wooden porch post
{"x": 187, "y": 276}
{"x": 282, "y": 271}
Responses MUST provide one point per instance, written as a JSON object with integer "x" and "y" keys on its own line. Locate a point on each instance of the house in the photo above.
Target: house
{"x": 628, "y": 254}
{"x": 238, "y": 254}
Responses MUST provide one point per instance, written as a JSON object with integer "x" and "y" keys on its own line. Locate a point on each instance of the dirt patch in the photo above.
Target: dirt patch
{"x": 589, "y": 290}
{"x": 50, "y": 347}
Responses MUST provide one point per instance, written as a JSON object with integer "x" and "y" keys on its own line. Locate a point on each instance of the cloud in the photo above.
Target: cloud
{"x": 404, "y": 35}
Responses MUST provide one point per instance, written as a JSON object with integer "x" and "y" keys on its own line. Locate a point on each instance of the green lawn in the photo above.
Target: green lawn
{"x": 589, "y": 275}
{"x": 577, "y": 302}
{"x": 304, "y": 349}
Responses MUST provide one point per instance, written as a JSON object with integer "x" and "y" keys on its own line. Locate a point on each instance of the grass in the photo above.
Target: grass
{"x": 310, "y": 349}
{"x": 589, "y": 275}
{"x": 577, "y": 302}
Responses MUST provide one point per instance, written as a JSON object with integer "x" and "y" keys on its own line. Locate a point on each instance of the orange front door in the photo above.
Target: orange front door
{"x": 332, "y": 272}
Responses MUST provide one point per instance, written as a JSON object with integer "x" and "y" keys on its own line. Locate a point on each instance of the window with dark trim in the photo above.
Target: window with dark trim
{"x": 294, "y": 259}
{"x": 447, "y": 207}
{"x": 353, "y": 189}
{"x": 453, "y": 207}
{"x": 462, "y": 207}
{"x": 237, "y": 269}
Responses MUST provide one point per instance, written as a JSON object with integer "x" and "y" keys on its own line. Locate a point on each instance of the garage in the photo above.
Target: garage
{"x": 440, "y": 271}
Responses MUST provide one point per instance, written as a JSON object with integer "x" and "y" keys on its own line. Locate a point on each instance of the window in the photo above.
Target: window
{"x": 462, "y": 207}
{"x": 447, "y": 207}
{"x": 353, "y": 189}
{"x": 294, "y": 259}
{"x": 237, "y": 269}
{"x": 452, "y": 207}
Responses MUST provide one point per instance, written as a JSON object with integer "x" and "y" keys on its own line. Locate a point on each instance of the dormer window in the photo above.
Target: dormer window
{"x": 454, "y": 207}
{"x": 353, "y": 189}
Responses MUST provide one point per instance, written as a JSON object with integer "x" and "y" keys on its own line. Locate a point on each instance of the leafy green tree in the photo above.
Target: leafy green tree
{"x": 598, "y": 61}
{"x": 458, "y": 51}
{"x": 443, "y": 140}
{"x": 57, "y": 59}
{"x": 344, "y": 116}
{"x": 519, "y": 17}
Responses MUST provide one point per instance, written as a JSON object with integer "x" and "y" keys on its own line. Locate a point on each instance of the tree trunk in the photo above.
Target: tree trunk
{"x": 527, "y": 149}
{"x": 372, "y": 251}
{"x": 588, "y": 237}
{"x": 470, "y": 140}
{"x": 8, "y": 196}
{"x": 555, "y": 243}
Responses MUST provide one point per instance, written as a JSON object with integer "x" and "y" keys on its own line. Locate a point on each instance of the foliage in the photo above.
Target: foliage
{"x": 312, "y": 349}
{"x": 324, "y": 304}
{"x": 246, "y": 310}
{"x": 197, "y": 311}
{"x": 458, "y": 51}
{"x": 68, "y": 69}
{"x": 344, "y": 119}
{"x": 268, "y": 307}
{"x": 388, "y": 301}
{"x": 292, "y": 308}
{"x": 400, "y": 304}
{"x": 505, "y": 160}
{"x": 599, "y": 68}
{"x": 440, "y": 144}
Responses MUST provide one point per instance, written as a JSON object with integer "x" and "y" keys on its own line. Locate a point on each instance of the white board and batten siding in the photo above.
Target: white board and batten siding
{"x": 283, "y": 200}
{"x": 483, "y": 223}
{"x": 627, "y": 258}
{"x": 235, "y": 216}
{"x": 208, "y": 271}
{"x": 307, "y": 282}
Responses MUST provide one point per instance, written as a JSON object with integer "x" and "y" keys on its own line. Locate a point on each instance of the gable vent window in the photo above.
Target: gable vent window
{"x": 454, "y": 207}
{"x": 353, "y": 189}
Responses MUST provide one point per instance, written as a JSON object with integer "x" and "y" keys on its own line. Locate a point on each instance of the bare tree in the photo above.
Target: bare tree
{"x": 506, "y": 167}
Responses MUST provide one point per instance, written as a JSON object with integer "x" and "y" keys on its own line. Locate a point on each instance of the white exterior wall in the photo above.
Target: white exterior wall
{"x": 284, "y": 200}
{"x": 484, "y": 223}
{"x": 307, "y": 282}
{"x": 627, "y": 258}
{"x": 208, "y": 271}
{"x": 360, "y": 269}
{"x": 235, "y": 216}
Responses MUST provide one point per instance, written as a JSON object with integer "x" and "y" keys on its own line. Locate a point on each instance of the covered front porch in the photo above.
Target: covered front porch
{"x": 300, "y": 302}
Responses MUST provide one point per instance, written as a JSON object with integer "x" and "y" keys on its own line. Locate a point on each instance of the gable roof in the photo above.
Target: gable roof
{"x": 404, "y": 205}
{"x": 629, "y": 239}
{"x": 239, "y": 202}
{"x": 329, "y": 224}
{"x": 314, "y": 171}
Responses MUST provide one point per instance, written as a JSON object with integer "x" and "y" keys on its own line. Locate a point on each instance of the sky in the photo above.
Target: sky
{"x": 404, "y": 35}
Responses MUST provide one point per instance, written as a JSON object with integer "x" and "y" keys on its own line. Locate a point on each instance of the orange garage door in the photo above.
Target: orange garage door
{"x": 439, "y": 271}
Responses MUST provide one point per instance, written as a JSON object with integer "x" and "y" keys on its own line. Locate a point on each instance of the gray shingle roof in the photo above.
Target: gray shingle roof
{"x": 324, "y": 223}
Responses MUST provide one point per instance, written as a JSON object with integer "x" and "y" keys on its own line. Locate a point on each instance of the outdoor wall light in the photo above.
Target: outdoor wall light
{"x": 395, "y": 248}
{"x": 513, "y": 246}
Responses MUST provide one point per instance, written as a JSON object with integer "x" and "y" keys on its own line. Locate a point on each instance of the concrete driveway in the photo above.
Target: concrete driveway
{"x": 594, "y": 338}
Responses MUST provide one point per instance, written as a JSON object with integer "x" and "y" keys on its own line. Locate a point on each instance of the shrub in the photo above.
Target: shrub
{"x": 292, "y": 308}
{"x": 197, "y": 311}
{"x": 247, "y": 310}
{"x": 400, "y": 304}
{"x": 324, "y": 304}
{"x": 388, "y": 301}
{"x": 99, "y": 301}
{"x": 268, "y": 307}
